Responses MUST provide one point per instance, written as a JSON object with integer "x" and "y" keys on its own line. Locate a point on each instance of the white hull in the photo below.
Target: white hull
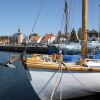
{"x": 75, "y": 84}
{"x": 93, "y": 64}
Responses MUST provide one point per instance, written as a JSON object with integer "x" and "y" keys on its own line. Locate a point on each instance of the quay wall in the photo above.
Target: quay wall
{"x": 30, "y": 49}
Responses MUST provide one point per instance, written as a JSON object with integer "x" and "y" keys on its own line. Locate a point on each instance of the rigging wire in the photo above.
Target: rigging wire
{"x": 92, "y": 8}
{"x": 99, "y": 24}
{"x": 54, "y": 88}
{"x": 51, "y": 78}
{"x": 42, "y": 4}
{"x": 69, "y": 13}
{"x": 90, "y": 90}
{"x": 67, "y": 22}
{"x": 72, "y": 13}
{"x": 61, "y": 95}
{"x": 62, "y": 22}
{"x": 56, "y": 85}
{"x": 59, "y": 37}
{"x": 24, "y": 52}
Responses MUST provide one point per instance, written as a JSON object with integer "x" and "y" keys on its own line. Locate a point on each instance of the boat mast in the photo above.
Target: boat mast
{"x": 66, "y": 16}
{"x": 84, "y": 27}
{"x": 99, "y": 26}
{"x": 66, "y": 13}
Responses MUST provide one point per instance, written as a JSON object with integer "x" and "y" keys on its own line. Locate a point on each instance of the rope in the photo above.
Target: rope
{"x": 56, "y": 86}
{"x": 67, "y": 23}
{"x": 38, "y": 15}
{"x": 61, "y": 86}
{"x": 24, "y": 52}
{"x": 92, "y": 14}
{"x": 35, "y": 22}
{"x": 69, "y": 12}
{"x": 62, "y": 22}
{"x": 42, "y": 89}
{"x": 90, "y": 90}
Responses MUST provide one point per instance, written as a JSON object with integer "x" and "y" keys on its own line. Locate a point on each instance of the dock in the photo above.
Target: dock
{"x": 29, "y": 49}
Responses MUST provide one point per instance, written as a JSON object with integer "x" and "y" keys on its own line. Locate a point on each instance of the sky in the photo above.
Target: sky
{"x": 22, "y": 14}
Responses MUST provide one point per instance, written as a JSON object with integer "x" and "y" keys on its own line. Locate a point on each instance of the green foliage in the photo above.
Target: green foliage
{"x": 54, "y": 42}
{"x": 80, "y": 34}
{"x": 73, "y": 37}
{"x": 35, "y": 34}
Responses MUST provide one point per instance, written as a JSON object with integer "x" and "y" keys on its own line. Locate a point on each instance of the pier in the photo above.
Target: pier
{"x": 29, "y": 49}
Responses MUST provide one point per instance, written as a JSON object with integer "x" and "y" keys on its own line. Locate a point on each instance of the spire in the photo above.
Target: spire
{"x": 18, "y": 30}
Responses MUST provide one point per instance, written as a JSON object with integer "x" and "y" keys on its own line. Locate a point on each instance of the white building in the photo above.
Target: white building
{"x": 48, "y": 38}
{"x": 36, "y": 39}
{"x": 18, "y": 37}
{"x": 93, "y": 35}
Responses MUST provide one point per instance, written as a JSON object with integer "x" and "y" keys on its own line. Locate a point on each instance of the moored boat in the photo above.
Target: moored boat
{"x": 78, "y": 79}
{"x": 52, "y": 78}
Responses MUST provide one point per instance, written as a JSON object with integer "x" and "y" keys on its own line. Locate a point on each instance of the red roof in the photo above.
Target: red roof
{"x": 35, "y": 38}
{"x": 48, "y": 36}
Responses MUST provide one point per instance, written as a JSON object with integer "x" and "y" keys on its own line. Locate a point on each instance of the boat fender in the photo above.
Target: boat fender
{"x": 54, "y": 57}
{"x": 60, "y": 57}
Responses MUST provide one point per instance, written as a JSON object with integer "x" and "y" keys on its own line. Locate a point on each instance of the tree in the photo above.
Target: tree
{"x": 58, "y": 36}
{"x": 80, "y": 34}
{"x": 35, "y": 34}
{"x": 73, "y": 36}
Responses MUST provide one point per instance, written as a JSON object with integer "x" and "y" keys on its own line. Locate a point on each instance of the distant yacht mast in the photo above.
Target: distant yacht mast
{"x": 99, "y": 25}
{"x": 66, "y": 13}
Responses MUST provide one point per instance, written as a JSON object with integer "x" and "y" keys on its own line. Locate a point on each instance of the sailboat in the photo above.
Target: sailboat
{"x": 53, "y": 79}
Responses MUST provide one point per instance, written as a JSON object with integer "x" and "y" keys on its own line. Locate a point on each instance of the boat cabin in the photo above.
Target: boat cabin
{"x": 93, "y": 35}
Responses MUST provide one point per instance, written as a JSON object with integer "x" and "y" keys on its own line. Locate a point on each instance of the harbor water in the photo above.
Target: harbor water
{"x": 14, "y": 84}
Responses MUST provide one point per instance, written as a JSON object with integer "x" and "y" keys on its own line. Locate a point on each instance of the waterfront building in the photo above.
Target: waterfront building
{"x": 48, "y": 38}
{"x": 62, "y": 37}
{"x": 18, "y": 37}
{"x": 36, "y": 39}
{"x": 93, "y": 35}
{"x": 5, "y": 40}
